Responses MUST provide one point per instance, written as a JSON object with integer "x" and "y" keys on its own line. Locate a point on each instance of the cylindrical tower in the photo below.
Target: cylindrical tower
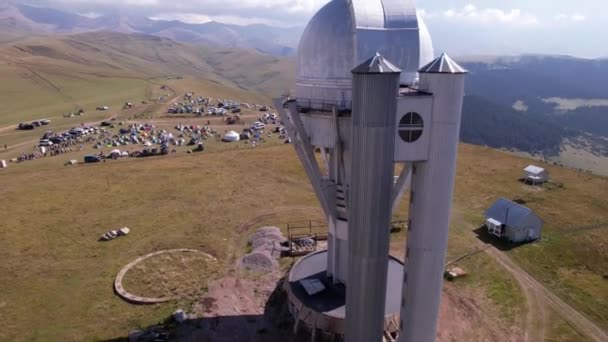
{"x": 431, "y": 203}
{"x": 375, "y": 90}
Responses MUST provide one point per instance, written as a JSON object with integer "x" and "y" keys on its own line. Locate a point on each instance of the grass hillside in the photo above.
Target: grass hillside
{"x": 46, "y": 77}
{"x": 58, "y": 277}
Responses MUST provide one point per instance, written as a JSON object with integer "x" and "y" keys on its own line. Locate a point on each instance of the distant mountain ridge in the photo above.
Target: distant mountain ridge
{"x": 267, "y": 39}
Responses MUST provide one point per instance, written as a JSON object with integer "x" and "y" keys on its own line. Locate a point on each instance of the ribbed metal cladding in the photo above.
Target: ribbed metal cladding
{"x": 432, "y": 190}
{"x": 373, "y": 134}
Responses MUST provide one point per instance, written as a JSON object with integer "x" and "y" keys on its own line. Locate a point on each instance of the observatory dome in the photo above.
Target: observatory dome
{"x": 345, "y": 33}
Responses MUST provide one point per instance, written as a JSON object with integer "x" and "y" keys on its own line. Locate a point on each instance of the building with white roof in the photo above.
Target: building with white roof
{"x": 535, "y": 175}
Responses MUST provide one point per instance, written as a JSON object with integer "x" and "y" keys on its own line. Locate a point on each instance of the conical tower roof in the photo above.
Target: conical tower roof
{"x": 443, "y": 65}
{"x": 376, "y": 65}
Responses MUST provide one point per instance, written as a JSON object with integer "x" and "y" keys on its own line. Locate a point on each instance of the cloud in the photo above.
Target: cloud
{"x": 473, "y": 14}
{"x": 192, "y": 18}
{"x": 275, "y": 12}
{"x": 570, "y": 17}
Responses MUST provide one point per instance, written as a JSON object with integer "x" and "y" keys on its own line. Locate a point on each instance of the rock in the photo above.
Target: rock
{"x": 135, "y": 335}
{"x": 259, "y": 261}
{"x": 262, "y": 243}
{"x": 180, "y": 316}
{"x": 305, "y": 242}
{"x": 124, "y": 231}
{"x": 272, "y": 233}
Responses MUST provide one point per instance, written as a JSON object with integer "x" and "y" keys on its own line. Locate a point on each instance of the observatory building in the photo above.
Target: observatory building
{"x": 369, "y": 96}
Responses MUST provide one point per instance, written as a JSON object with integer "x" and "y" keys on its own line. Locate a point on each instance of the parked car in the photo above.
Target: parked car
{"x": 258, "y": 126}
{"x": 57, "y": 139}
{"x": 92, "y": 159}
{"x": 45, "y": 122}
{"x": 26, "y": 126}
{"x": 45, "y": 142}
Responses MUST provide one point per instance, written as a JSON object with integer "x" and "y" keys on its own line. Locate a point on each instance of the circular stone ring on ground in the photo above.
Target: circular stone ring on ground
{"x": 124, "y": 294}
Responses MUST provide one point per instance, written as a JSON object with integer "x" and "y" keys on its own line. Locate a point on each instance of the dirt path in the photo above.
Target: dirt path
{"x": 536, "y": 317}
{"x": 539, "y": 294}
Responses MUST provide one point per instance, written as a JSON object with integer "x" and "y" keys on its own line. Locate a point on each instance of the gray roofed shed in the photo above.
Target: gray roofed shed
{"x": 513, "y": 222}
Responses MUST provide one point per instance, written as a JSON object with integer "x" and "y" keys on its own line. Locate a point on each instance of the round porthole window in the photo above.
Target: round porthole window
{"x": 411, "y": 127}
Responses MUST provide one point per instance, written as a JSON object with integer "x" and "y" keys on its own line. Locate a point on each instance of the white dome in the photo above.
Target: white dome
{"x": 345, "y": 33}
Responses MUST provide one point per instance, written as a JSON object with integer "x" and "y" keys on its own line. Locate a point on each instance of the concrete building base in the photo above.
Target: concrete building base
{"x": 324, "y": 313}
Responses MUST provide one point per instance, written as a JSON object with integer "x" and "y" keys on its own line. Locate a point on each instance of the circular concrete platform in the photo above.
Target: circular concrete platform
{"x": 132, "y": 298}
{"x": 325, "y": 311}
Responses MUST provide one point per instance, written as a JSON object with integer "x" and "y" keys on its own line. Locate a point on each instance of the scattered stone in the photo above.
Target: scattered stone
{"x": 152, "y": 334}
{"x": 135, "y": 335}
{"x": 454, "y": 273}
{"x": 259, "y": 261}
{"x": 267, "y": 247}
{"x": 305, "y": 242}
{"x": 272, "y": 233}
{"x": 113, "y": 234}
{"x": 180, "y": 316}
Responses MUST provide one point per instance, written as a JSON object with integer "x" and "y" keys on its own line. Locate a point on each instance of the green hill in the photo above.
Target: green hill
{"x": 47, "y": 76}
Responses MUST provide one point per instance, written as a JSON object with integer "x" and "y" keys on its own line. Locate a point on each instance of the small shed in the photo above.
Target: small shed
{"x": 513, "y": 222}
{"x": 535, "y": 175}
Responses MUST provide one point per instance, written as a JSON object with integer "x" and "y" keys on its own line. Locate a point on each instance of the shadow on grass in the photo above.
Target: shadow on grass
{"x": 275, "y": 324}
{"x": 485, "y": 237}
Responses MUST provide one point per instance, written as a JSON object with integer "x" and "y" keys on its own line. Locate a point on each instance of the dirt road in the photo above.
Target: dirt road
{"x": 536, "y": 293}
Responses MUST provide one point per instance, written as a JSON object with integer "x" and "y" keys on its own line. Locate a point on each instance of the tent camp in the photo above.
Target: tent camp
{"x": 231, "y": 136}
{"x": 512, "y": 222}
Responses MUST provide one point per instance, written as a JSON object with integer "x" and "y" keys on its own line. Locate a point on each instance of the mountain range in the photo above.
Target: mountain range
{"x": 15, "y": 19}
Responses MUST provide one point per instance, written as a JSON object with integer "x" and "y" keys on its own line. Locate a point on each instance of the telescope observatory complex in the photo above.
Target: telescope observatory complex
{"x": 369, "y": 95}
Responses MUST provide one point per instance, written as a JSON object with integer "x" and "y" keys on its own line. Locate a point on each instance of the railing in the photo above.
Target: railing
{"x": 323, "y": 105}
{"x": 300, "y": 231}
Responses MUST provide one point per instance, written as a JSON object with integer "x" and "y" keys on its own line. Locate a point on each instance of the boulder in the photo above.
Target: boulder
{"x": 258, "y": 261}
{"x": 135, "y": 335}
{"x": 272, "y": 233}
{"x": 180, "y": 316}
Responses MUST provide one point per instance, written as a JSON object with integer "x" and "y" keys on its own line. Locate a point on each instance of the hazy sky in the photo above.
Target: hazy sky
{"x": 460, "y": 27}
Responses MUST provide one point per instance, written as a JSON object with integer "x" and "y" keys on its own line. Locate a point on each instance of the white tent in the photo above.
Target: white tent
{"x": 232, "y": 136}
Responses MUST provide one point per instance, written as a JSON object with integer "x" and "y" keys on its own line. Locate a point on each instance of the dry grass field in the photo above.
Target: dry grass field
{"x": 58, "y": 277}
